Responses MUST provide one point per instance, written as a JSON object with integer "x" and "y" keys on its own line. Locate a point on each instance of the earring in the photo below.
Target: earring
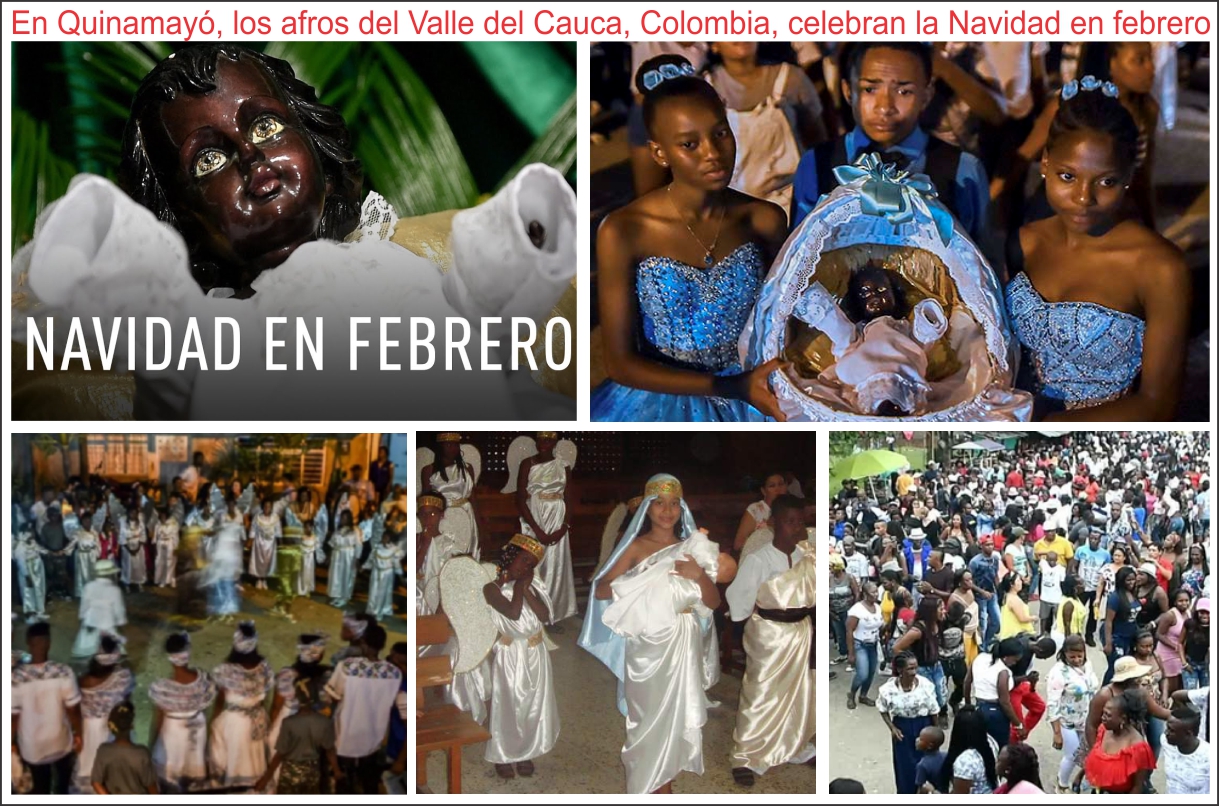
{"x": 1125, "y": 187}
{"x": 665, "y": 164}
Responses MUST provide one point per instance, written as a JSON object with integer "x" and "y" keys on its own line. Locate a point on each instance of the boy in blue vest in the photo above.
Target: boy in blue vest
{"x": 888, "y": 85}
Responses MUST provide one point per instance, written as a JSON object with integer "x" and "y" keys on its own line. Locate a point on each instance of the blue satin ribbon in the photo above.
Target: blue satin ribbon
{"x": 899, "y": 196}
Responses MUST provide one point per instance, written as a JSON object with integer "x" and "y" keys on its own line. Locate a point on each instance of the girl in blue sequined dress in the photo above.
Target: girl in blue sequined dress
{"x": 681, "y": 267}
{"x": 1099, "y": 302}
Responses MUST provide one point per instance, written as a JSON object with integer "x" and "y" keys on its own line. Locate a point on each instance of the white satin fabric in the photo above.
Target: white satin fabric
{"x": 344, "y": 554}
{"x": 524, "y": 712}
{"x": 440, "y": 549}
{"x": 264, "y": 532}
{"x": 458, "y": 487}
{"x": 384, "y": 563}
{"x": 658, "y": 613}
{"x": 776, "y": 717}
{"x": 546, "y": 485}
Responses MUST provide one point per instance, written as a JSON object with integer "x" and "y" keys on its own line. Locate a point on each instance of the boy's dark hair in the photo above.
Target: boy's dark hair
{"x": 39, "y": 629}
{"x": 854, "y": 58}
{"x": 374, "y": 637}
{"x": 846, "y": 786}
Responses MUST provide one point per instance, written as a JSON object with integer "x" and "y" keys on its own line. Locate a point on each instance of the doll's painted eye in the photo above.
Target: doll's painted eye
{"x": 209, "y": 161}
{"x": 264, "y": 128}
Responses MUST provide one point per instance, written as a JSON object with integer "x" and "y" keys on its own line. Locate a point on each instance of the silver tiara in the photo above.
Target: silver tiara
{"x": 654, "y": 78}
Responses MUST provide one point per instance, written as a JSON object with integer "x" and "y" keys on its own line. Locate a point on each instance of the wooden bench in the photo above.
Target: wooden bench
{"x": 446, "y": 728}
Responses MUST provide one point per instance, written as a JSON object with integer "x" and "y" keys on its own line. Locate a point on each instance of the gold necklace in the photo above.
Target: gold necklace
{"x": 709, "y": 257}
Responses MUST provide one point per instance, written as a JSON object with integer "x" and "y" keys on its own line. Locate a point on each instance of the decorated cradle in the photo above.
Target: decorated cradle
{"x": 881, "y": 216}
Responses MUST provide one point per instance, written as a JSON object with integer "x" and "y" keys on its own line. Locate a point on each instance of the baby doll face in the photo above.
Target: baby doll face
{"x": 240, "y": 170}
{"x": 874, "y": 293}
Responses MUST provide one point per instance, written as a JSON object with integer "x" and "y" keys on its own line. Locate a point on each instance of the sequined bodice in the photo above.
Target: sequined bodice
{"x": 1080, "y": 353}
{"x": 695, "y": 316}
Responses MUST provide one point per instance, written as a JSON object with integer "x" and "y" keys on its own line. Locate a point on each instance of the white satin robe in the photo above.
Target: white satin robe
{"x": 457, "y": 490}
{"x": 776, "y": 715}
{"x": 546, "y": 485}
{"x": 524, "y": 712}
{"x": 661, "y": 615}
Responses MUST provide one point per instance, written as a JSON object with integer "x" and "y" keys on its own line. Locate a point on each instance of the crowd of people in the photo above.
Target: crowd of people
{"x": 1092, "y": 548}
{"x": 308, "y": 728}
{"x": 312, "y": 727}
{"x": 94, "y": 541}
{"x": 650, "y": 619}
{"x": 734, "y": 145}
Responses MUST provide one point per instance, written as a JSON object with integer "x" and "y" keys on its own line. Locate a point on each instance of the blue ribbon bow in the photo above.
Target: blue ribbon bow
{"x": 899, "y": 196}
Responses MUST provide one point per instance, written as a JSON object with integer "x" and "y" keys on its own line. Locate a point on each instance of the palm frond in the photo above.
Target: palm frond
{"x": 556, "y": 147}
{"x": 39, "y": 176}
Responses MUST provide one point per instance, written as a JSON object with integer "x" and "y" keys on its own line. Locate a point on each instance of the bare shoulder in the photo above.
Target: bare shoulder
{"x": 767, "y": 219}
{"x": 1160, "y": 263}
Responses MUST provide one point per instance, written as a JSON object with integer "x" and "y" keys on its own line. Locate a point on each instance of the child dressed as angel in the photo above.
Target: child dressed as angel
{"x": 881, "y": 359}
{"x": 524, "y": 713}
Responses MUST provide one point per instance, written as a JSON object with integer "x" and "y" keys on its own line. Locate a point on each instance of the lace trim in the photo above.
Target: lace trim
{"x": 377, "y": 220}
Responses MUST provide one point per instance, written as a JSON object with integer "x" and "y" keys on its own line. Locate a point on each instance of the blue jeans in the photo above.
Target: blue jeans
{"x": 997, "y": 724}
{"x": 1122, "y": 644}
{"x": 1196, "y": 677}
{"x": 988, "y": 615}
{"x": 1155, "y": 734}
{"x": 838, "y": 624}
{"x": 935, "y": 676}
{"x": 865, "y": 667}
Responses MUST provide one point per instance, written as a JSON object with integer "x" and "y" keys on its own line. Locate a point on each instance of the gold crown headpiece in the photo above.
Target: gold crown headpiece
{"x": 548, "y": 435}
{"x": 529, "y": 544}
{"x": 434, "y": 501}
{"x": 448, "y": 436}
{"x": 669, "y": 486}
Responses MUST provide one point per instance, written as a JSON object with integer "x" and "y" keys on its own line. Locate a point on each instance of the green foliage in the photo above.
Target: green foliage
{"x": 408, "y": 149}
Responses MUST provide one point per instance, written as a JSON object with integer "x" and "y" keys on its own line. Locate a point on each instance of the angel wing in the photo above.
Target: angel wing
{"x": 457, "y": 522}
{"x": 565, "y": 449}
{"x": 321, "y": 524}
{"x": 470, "y": 455}
{"x": 461, "y": 596}
{"x": 291, "y": 518}
{"x": 609, "y": 535}
{"x": 99, "y": 519}
{"x": 217, "y": 499}
{"x": 365, "y": 527}
{"x": 378, "y": 528}
{"x": 423, "y": 458}
{"x": 521, "y": 449}
{"x": 760, "y": 537}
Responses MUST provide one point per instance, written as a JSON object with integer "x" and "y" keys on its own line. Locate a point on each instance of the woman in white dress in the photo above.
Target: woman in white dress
{"x": 524, "y": 713}
{"x": 757, "y": 514}
{"x": 87, "y": 549}
{"x": 265, "y": 531}
{"x": 308, "y": 666}
{"x": 433, "y": 548}
{"x": 104, "y": 685}
{"x": 385, "y": 565}
{"x": 312, "y": 553}
{"x": 178, "y": 735}
{"x": 166, "y": 539}
{"x": 542, "y": 504}
{"x": 453, "y": 478}
{"x": 345, "y": 546}
{"x": 132, "y": 537}
{"x": 661, "y": 580}
{"x": 237, "y": 755}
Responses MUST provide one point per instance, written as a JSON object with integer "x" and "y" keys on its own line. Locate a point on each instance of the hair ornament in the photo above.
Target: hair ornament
{"x": 1088, "y": 84}
{"x": 654, "y": 78}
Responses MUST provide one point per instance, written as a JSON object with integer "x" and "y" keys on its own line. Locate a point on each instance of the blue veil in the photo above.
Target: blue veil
{"x": 601, "y": 641}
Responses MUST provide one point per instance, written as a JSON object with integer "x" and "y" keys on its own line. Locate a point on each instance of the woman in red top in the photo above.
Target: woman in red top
{"x": 1164, "y": 567}
{"x": 1121, "y": 760}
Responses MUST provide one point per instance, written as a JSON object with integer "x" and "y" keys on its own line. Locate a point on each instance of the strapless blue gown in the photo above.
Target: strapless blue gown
{"x": 691, "y": 319}
{"x": 1075, "y": 354}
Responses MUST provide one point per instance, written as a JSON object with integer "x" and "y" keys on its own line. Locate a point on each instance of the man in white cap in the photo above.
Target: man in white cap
{"x": 918, "y": 553}
{"x": 101, "y": 610}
